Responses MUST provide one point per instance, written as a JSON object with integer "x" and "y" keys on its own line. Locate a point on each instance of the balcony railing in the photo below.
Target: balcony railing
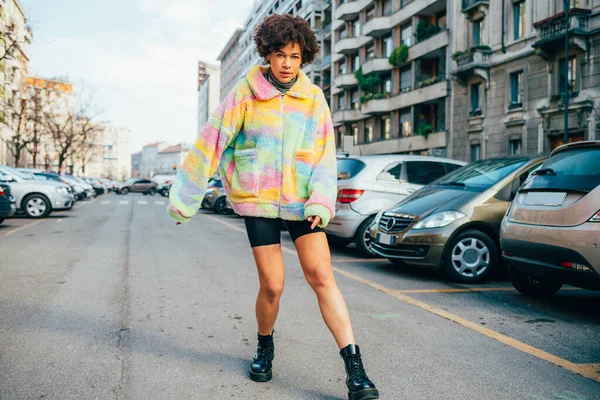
{"x": 579, "y": 20}
{"x": 469, "y": 4}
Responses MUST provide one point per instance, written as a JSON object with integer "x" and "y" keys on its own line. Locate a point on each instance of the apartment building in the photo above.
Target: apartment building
{"x": 510, "y": 74}
{"x": 230, "y": 65}
{"x": 390, "y": 73}
{"x": 209, "y": 89}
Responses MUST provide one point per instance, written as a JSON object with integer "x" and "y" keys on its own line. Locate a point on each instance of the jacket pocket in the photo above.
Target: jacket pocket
{"x": 244, "y": 182}
{"x": 304, "y": 166}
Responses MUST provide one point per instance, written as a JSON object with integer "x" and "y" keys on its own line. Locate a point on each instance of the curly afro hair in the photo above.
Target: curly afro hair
{"x": 279, "y": 30}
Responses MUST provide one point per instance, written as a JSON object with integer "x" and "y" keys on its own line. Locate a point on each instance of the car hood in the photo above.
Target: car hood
{"x": 433, "y": 199}
{"x": 41, "y": 183}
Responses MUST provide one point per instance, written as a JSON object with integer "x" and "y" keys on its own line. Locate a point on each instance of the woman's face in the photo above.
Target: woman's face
{"x": 285, "y": 63}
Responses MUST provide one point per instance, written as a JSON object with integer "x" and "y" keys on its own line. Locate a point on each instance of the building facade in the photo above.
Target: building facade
{"x": 230, "y": 65}
{"x": 171, "y": 158}
{"x": 209, "y": 88}
{"x": 510, "y": 75}
{"x": 390, "y": 71}
{"x": 111, "y": 153}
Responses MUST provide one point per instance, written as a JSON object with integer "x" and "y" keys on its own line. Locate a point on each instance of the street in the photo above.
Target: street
{"x": 113, "y": 301}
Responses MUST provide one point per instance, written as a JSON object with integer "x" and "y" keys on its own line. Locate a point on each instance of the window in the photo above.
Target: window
{"x": 424, "y": 172}
{"x": 388, "y": 7}
{"x": 348, "y": 168}
{"x": 355, "y": 99}
{"x": 371, "y": 50}
{"x": 452, "y": 167}
{"x": 342, "y": 66}
{"x": 478, "y": 38}
{"x": 387, "y": 85}
{"x": 356, "y": 28}
{"x": 369, "y": 131}
{"x": 572, "y": 75}
{"x": 516, "y": 89}
{"x": 405, "y": 124}
{"x": 391, "y": 173}
{"x": 405, "y": 79}
{"x": 356, "y": 64}
{"x": 386, "y": 127}
{"x": 475, "y": 106}
{"x": 388, "y": 46}
{"x": 515, "y": 146}
{"x": 475, "y": 152}
{"x": 406, "y": 35}
{"x": 355, "y": 133}
{"x": 519, "y": 19}
{"x": 341, "y": 101}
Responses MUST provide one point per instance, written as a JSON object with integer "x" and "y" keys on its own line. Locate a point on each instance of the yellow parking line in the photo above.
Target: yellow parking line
{"x": 465, "y": 290}
{"x": 586, "y": 370}
{"x": 365, "y": 260}
{"x": 22, "y": 227}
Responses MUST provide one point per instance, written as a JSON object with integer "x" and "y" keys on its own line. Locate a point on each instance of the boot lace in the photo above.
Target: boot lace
{"x": 355, "y": 367}
{"x": 265, "y": 350}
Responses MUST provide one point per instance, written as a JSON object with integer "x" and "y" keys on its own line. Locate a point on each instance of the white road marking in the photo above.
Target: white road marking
{"x": 142, "y": 202}
{"x": 123, "y": 201}
{"x": 105, "y": 202}
{"x": 159, "y": 202}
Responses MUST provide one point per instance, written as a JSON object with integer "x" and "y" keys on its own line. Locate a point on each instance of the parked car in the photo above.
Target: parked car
{"x": 215, "y": 198}
{"x": 551, "y": 234}
{"x": 454, "y": 223}
{"x": 81, "y": 191}
{"x": 51, "y": 176}
{"x": 96, "y": 185}
{"x": 370, "y": 184}
{"x": 137, "y": 185}
{"x": 8, "y": 205}
{"x": 36, "y": 198}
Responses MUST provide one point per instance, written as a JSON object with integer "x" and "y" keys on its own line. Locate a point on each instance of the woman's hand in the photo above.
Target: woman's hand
{"x": 316, "y": 220}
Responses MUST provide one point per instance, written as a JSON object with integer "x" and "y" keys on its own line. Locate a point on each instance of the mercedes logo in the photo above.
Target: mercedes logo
{"x": 390, "y": 224}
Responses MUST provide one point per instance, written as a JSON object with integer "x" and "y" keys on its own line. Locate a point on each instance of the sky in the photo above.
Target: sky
{"x": 138, "y": 57}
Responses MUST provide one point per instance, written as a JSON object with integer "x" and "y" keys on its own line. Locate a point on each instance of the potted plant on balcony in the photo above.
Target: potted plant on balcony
{"x": 399, "y": 56}
{"x": 424, "y": 129}
{"x": 425, "y": 30}
{"x": 475, "y": 113}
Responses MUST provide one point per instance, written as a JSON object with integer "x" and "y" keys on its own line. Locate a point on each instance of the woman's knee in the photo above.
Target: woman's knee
{"x": 320, "y": 277}
{"x": 272, "y": 289}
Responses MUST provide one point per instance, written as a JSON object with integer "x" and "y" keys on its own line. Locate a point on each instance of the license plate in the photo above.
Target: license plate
{"x": 552, "y": 199}
{"x": 385, "y": 238}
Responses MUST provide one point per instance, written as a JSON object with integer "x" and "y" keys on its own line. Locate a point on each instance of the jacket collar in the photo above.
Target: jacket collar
{"x": 263, "y": 89}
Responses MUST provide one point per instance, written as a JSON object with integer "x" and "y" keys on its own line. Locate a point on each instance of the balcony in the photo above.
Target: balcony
{"x": 350, "y": 115}
{"x": 405, "y": 144}
{"x": 475, "y": 61}
{"x": 326, "y": 62}
{"x": 376, "y": 65}
{"x": 428, "y": 45}
{"x": 418, "y": 96}
{"x": 350, "y": 10}
{"x": 470, "y": 6}
{"x": 552, "y": 32}
{"x": 378, "y": 26}
{"x": 351, "y": 44}
{"x": 346, "y": 81}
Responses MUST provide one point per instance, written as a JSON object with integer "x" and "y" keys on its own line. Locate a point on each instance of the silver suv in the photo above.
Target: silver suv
{"x": 36, "y": 198}
{"x": 369, "y": 184}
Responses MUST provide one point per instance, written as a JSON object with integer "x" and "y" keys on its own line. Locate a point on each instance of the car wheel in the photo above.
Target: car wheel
{"x": 124, "y": 191}
{"x": 530, "y": 286}
{"x": 36, "y": 206}
{"x": 220, "y": 206}
{"x": 337, "y": 243}
{"x": 471, "y": 257}
{"x": 362, "y": 238}
{"x": 152, "y": 191}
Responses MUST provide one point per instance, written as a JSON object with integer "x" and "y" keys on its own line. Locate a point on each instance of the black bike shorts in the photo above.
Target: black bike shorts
{"x": 267, "y": 231}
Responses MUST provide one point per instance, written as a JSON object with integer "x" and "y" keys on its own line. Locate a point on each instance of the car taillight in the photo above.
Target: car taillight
{"x": 2, "y": 191}
{"x": 572, "y": 265}
{"x": 349, "y": 195}
{"x": 596, "y": 217}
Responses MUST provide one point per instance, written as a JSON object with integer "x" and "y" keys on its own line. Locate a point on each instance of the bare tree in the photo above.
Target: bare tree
{"x": 37, "y": 131}
{"x": 11, "y": 39}
{"x": 15, "y": 120}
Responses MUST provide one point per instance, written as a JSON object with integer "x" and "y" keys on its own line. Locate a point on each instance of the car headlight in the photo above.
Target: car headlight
{"x": 596, "y": 217}
{"x": 439, "y": 220}
{"x": 62, "y": 189}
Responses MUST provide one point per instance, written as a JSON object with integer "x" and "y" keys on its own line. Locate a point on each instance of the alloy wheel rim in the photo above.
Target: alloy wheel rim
{"x": 36, "y": 207}
{"x": 470, "y": 257}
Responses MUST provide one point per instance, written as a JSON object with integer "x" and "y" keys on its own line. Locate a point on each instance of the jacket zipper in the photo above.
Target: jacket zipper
{"x": 282, "y": 155}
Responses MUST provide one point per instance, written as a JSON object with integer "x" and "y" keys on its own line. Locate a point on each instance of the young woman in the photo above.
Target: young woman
{"x": 273, "y": 145}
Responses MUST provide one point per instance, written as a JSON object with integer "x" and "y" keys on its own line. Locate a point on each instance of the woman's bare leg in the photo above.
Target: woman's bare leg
{"x": 269, "y": 263}
{"x": 315, "y": 259}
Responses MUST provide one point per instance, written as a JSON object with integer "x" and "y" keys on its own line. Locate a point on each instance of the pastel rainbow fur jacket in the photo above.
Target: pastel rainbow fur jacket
{"x": 275, "y": 153}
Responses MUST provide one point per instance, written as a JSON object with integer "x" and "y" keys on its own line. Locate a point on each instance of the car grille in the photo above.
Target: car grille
{"x": 400, "y": 251}
{"x": 393, "y": 223}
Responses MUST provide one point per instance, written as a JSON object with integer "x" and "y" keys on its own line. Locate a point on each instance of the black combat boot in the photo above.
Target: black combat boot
{"x": 261, "y": 368}
{"x": 359, "y": 385}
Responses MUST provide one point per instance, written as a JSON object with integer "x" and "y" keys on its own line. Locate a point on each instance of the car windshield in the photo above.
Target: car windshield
{"x": 131, "y": 181}
{"x": 348, "y": 168}
{"x": 575, "y": 170}
{"x": 18, "y": 174}
{"x": 482, "y": 174}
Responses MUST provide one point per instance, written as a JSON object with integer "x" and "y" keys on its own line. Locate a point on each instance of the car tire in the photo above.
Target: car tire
{"x": 530, "y": 286}
{"x": 362, "y": 238}
{"x": 152, "y": 191}
{"x": 36, "y": 206}
{"x": 337, "y": 243}
{"x": 472, "y": 256}
{"x": 220, "y": 206}
{"x": 124, "y": 191}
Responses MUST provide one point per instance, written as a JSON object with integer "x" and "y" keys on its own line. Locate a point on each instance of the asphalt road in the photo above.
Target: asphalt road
{"x": 113, "y": 301}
